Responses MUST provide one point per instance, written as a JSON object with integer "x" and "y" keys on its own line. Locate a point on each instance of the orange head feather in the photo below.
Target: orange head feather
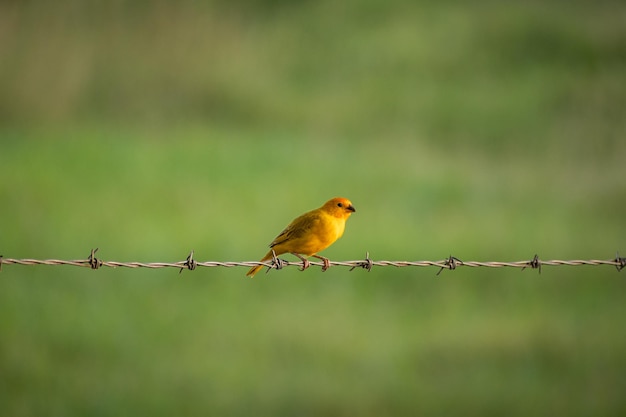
{"x": 339, "y": 207}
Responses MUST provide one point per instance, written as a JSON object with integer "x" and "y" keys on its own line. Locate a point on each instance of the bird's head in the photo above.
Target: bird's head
{"x": 339, "y": 207}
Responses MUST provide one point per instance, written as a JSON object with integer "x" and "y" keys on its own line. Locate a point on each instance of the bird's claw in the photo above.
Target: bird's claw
{"x": 305, "y": 264}
{"x": 326, "y": 264}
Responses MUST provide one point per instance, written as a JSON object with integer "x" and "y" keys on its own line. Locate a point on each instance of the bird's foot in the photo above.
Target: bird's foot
{"x": 305, "y": 264}
{"x": 305, "y": 261}
{"x": 326, "y": 262}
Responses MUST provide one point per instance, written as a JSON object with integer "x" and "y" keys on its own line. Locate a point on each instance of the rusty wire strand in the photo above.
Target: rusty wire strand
{"x": 450, "y": 263}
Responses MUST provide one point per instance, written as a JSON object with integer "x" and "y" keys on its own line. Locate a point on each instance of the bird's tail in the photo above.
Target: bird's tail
{"x": 257, "y": 268}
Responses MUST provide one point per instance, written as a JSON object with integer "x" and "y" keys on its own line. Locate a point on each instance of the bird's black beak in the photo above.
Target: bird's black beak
{"x": 351, "y": 208}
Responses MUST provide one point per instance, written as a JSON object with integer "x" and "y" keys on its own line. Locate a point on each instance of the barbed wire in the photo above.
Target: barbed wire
{"x": 450, "y": 263}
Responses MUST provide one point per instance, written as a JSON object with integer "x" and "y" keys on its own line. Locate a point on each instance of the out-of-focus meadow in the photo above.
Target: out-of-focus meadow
{"x": 490, "y": 131}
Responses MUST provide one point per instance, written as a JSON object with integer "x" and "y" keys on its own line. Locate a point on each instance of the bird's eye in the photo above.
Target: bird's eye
{"x": 339, "y": 205}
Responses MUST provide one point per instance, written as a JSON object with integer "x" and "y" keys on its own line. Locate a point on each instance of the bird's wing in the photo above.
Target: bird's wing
{"x": 300, "y": 227}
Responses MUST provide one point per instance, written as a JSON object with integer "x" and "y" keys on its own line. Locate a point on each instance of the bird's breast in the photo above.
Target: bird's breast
{"x": 324, "y": 232}
{"x": 331, "y": 229}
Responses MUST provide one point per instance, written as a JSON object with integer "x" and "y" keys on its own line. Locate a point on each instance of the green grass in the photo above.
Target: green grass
{"x": 483, "y": 132}
{"x": 395, "y": 341}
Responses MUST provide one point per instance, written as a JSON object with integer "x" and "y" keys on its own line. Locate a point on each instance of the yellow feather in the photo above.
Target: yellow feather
{"x": 312, "y": 232}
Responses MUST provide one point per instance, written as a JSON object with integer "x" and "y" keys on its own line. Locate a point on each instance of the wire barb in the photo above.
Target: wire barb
{"x": 534, "y": 263}
{"x": 451, "y": 263}
{"x": 0, "y": 263}
{"x": 94, "y": 262}
{"x": 367, "y": 263}
{"x": 190, "y": 263}
{"x": 277, "y": 263}
{"x": 620, "y": 262}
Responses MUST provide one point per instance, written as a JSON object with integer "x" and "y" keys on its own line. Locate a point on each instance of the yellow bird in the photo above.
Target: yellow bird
{"x": 311, "y": 233}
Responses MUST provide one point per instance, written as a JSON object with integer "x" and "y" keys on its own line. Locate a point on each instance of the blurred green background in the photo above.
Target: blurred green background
{"x": 490, "y": 131}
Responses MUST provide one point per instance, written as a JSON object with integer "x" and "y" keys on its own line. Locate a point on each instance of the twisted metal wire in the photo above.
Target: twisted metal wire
{"x": 450, "y": 263}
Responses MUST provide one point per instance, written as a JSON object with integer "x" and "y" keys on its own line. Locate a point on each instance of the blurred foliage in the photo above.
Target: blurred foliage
{"x": 492, "y": 73}
{"x": 490, "y": 131}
